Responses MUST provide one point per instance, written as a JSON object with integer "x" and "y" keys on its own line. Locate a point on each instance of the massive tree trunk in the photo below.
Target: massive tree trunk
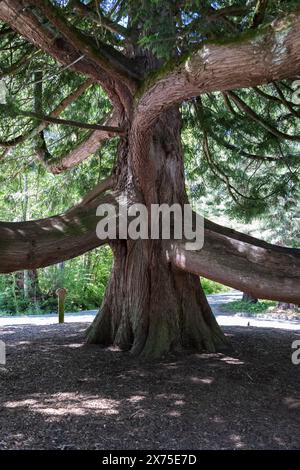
{"x": 150, "y": 306}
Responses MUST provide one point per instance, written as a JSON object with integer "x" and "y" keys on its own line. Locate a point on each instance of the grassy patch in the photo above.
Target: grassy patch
{"x": 238, "y": 306}
{"x": 211, "y": 287}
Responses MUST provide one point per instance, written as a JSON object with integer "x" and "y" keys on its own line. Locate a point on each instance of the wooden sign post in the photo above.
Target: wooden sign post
{"x": 61, "y": 294}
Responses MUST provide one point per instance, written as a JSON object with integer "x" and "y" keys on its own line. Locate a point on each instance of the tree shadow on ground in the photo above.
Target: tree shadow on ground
{"x": 57, "y": 392}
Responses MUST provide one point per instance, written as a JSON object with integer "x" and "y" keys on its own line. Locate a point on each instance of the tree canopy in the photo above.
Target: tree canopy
{"x": 248, "y": 140}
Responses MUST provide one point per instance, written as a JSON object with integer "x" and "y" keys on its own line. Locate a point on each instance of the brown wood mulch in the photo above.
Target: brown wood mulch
{"x": 58, "y": 393}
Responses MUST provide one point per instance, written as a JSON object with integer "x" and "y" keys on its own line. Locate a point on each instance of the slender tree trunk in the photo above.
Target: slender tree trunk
{"x": 249, "y": 298}
{"x": 61, "y": 275}
{"x": 35, "y": 292}
{"x": 24, "y": 218}
{"x": 27, "y": 285}
{"x": 150, "y": 307}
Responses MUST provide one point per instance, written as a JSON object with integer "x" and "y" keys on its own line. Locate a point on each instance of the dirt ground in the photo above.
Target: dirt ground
{"x": 58, "y": 393}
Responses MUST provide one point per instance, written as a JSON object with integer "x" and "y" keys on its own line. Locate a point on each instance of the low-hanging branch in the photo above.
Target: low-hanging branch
{"x": 218, "y": 172}
{"x": 228, "y": 104}
{"x": 66, "y": 122}
{"x": 220, "y": 140}
{"x": 56, "y": 112}
{"x": 243, "y": 262}
{"x": 81, "y": 152}
{"x": 262, "y": 122}
{"x": 274, "y": 98}
{"x": 252, "y": 156}
{"x": 285, "y": 101}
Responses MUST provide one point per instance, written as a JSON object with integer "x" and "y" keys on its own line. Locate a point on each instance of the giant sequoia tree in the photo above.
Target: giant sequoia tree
{"x": 229, "y": 66}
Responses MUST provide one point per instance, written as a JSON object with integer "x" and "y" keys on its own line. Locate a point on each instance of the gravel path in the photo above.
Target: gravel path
{"x": 224, "y": 318}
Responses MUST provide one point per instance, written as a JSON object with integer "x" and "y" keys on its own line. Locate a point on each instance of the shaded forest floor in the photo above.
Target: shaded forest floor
{"x": 58, "y": 393}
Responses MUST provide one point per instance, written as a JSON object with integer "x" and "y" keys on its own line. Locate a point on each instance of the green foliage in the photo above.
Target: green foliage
{"x": 85, "y": 279}
{"x": 239, "y": 306}
{"x": 247, "y": 166}
{"x": 211, "y": 287}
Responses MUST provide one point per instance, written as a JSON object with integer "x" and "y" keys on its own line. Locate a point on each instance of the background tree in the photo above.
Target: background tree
{"x": 152, "y": 58}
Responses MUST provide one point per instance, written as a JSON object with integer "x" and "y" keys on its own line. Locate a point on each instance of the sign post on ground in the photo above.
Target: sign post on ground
{"x": 61, "y": 294}
{"x": 2, "y": 354}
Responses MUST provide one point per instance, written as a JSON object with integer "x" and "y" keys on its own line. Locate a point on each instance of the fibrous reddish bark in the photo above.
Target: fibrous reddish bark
{"x": 151, "y": 307}
{"x": 243, "y": 262}
{"x": 39, "y": 243}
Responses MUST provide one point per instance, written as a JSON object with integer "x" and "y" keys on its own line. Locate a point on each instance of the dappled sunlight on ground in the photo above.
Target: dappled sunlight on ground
{"x": 292, "y": 403}
{"x": 56, "y": 392}
{"x": 61, "y": 404}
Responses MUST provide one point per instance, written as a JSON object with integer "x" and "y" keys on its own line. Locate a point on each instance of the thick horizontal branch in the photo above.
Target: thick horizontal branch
{"x": 263, "y": 270}
{"x": 29, "y": 245}
{"x": 268, "y": 54}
